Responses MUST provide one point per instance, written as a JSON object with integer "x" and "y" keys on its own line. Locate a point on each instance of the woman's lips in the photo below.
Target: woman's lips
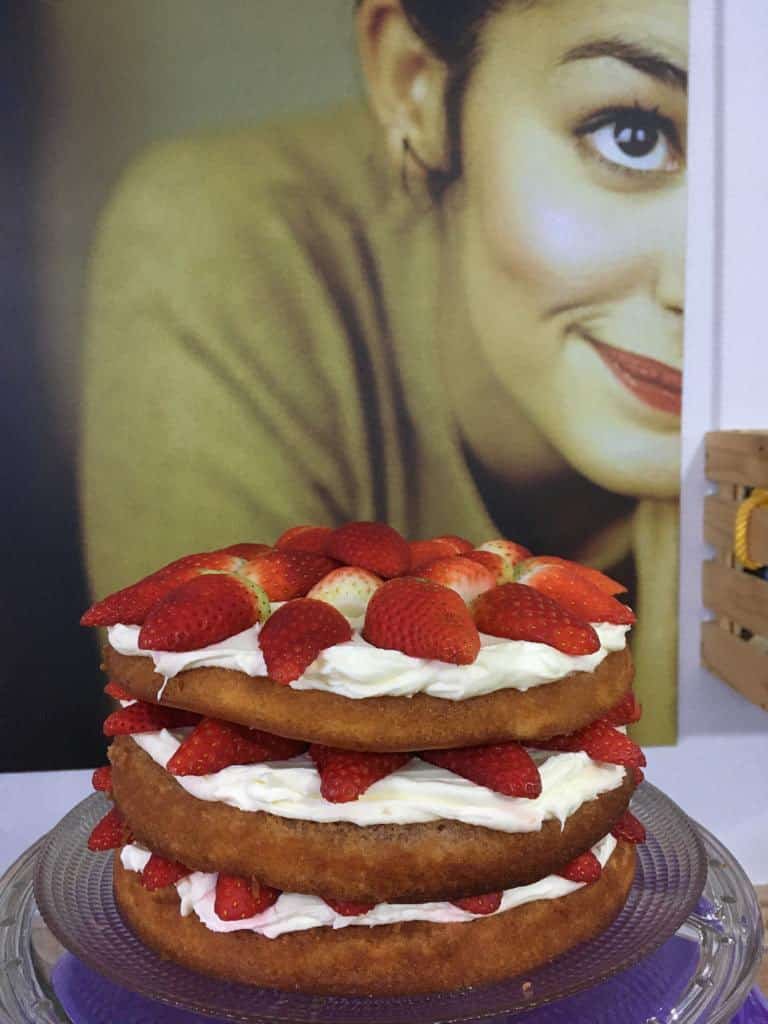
{"x": 655, "y": 383}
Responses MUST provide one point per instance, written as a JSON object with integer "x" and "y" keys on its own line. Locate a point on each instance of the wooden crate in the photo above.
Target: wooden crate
{"x": 735, "y": 644}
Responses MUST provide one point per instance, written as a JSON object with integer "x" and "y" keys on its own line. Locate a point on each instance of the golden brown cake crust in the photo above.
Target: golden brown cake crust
{"x": 383, "y": 723}
{"x": 428, "y": 860}
{"x": 415, "y": 957}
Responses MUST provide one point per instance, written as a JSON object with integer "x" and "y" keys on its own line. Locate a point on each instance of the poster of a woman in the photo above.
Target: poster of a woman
{"x": 457, "y": 308}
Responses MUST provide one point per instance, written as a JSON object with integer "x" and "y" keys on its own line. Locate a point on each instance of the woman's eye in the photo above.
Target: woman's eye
{"x": 638, "y": 140}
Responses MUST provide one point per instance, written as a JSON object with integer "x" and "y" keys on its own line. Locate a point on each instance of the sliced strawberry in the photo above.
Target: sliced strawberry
{"x": 627, "y": 711}
{"x": 373, "y": 546}
{"x": 110, "y": 833}
{"x": 159, "y": 873}
{"x": 143, "y": 717}
{"x": 131, "y": 605}
{"x": 203, "y": 611}
{"x": 584, "y": 868}
{"x": 305, "y": 538}
{"x": 629, "y": 829}
{"x": 101, "y": 780}
{"x": 510, "y": 553}
{"x": 118, "y": 692}
{"x": 349, "y": 908}
{"x": 486, "y": 904}
{"x": 348, "y": 589}
{"x": 601, "y": 741}
{"x": 466, "y": 577}
{"x": 519, "y": 612}
{"x": 597, "y": 578}
{"x": 425, "y": 551}
{"x": 240, "y": 898}
{"x": 423, "y": 619}
{"x": 346, "y": 774}
{"x": 246, "y": 550}
{"x": 214, "y": 745}
{"x": 283, "y": 575}
{"x": 577, "y": 595}
{"x": 295, "y": 635}
{"x": 503, "y": 767}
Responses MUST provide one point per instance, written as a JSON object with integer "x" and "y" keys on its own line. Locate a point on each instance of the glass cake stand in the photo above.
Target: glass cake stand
{"x": 684, "y": 949}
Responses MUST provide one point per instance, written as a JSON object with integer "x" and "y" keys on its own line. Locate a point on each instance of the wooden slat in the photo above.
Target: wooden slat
{"x": 742, "y": 665}
{"x": 733, "y": 594}
{"x": 718, "y": 527}
{"x": 739, "y": 457}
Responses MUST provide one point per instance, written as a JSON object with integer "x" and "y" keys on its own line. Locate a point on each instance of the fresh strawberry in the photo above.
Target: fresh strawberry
{"x": 518, "y": 612}
{"x": 599, "y": 579}
{"x": 627, "y": 711}
{"x": 348, "y": 589}
{"x": 373, "y": 546}
{"x": 466, "y": 577}
{"x": 349, "y": 908}
{"x": 246, "y": 550}
{"x": 459, "y": 545}
{"x": 131, "y": 605}
{"x": 584, "y": 868}
{"x": 159, "y": 873}
{"x": 510, "y": 553}
{"x": 283, "y": 575}
{"x": 203, "y": 611}
{"x": 423, "y": 619}
{"x": 503, "y": 767}
{"x": 601, "y": 741}
{"x": 143, "y": 717}
{"x": 305, "y": 538}
{"x": 346, "y": 774}
{"x": 101, "y": 780}
{"x": 240, "y": 898}
{"x": 629, "y": 829}
{"x": 110, "y": 833}
{"x": 118, "y": 692}
{"x": 425, "y": 551}
{"x": 577, "y": 595}
{"x": 492, "y": 562}
{"x": 485, "y": 904}
{"x": 296, "y": 633}
{"x": 213, "y": 745}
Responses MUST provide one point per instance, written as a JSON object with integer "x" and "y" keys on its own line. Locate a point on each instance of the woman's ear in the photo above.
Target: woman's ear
{"x": 405, "y": 83}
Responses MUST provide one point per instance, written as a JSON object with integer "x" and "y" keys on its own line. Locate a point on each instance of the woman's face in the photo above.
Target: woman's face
{"x": 571, "y": 227}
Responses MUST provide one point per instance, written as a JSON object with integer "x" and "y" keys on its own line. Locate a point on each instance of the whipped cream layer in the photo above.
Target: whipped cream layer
{"x": 357, "y": 669}
{"x": 294, "y": 912}
{"x": 414, "y": 793}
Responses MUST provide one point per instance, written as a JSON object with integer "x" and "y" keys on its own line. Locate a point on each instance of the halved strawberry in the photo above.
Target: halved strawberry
{"x": 518, "y": 612}
{"x": 346, "y": 774}
{"x": 246, "y": 550}
{"x": 305, "y": 538}
{"x": 110, "y": 833}
{"x": 143, "y": 717}
{"x": 629, "y": 829}
{"x": 295, "y": 635}
{"x": 283, "y": 575}
{"x": 423, "y": 619}
{"x": 214, "y": 745}
{"x": 584, "y": 868}
{"x": 597, "y": 578}
{"x": 101, "y": 780}
{"x": 240, "y": 898}
{"x": 577, "y": 595}
{"x": 118, "y": 692}
{"x": 348, "y": 589}
{"x": 373, "y": 546}
{"x": 628, "y": 710}
{"x": 510, "y": 553}
{"x": 486, "y": 904}
{"x": 503, "y": 767}
{"x": 131, "y": 605}
{"x": 425, "y": 551}
{"x": 159, "y": 873}
{"x": 349, "y": 908}
{"x": 466, "y": 577}
{"x": 203, "y": 611}
{"x": 601, "y": 741}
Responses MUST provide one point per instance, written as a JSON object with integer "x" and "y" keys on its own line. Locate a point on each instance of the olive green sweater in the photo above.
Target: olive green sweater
{"x": 260, "y": 352}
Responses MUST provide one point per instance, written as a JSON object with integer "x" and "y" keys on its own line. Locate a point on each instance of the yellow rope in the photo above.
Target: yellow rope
{"x": 757, "y": 498}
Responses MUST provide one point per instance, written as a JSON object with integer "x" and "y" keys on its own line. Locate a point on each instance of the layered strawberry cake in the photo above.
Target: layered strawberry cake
{"x": 350, "y": 764}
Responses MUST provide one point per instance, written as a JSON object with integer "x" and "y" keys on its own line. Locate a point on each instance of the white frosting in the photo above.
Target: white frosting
{"x": 416, "y": 792}
{"x": 294, "y": 912}
{"x": 357, "y": 669}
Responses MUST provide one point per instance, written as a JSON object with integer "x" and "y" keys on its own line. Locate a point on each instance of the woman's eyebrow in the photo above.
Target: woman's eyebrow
{"x": 640, "y": 57}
